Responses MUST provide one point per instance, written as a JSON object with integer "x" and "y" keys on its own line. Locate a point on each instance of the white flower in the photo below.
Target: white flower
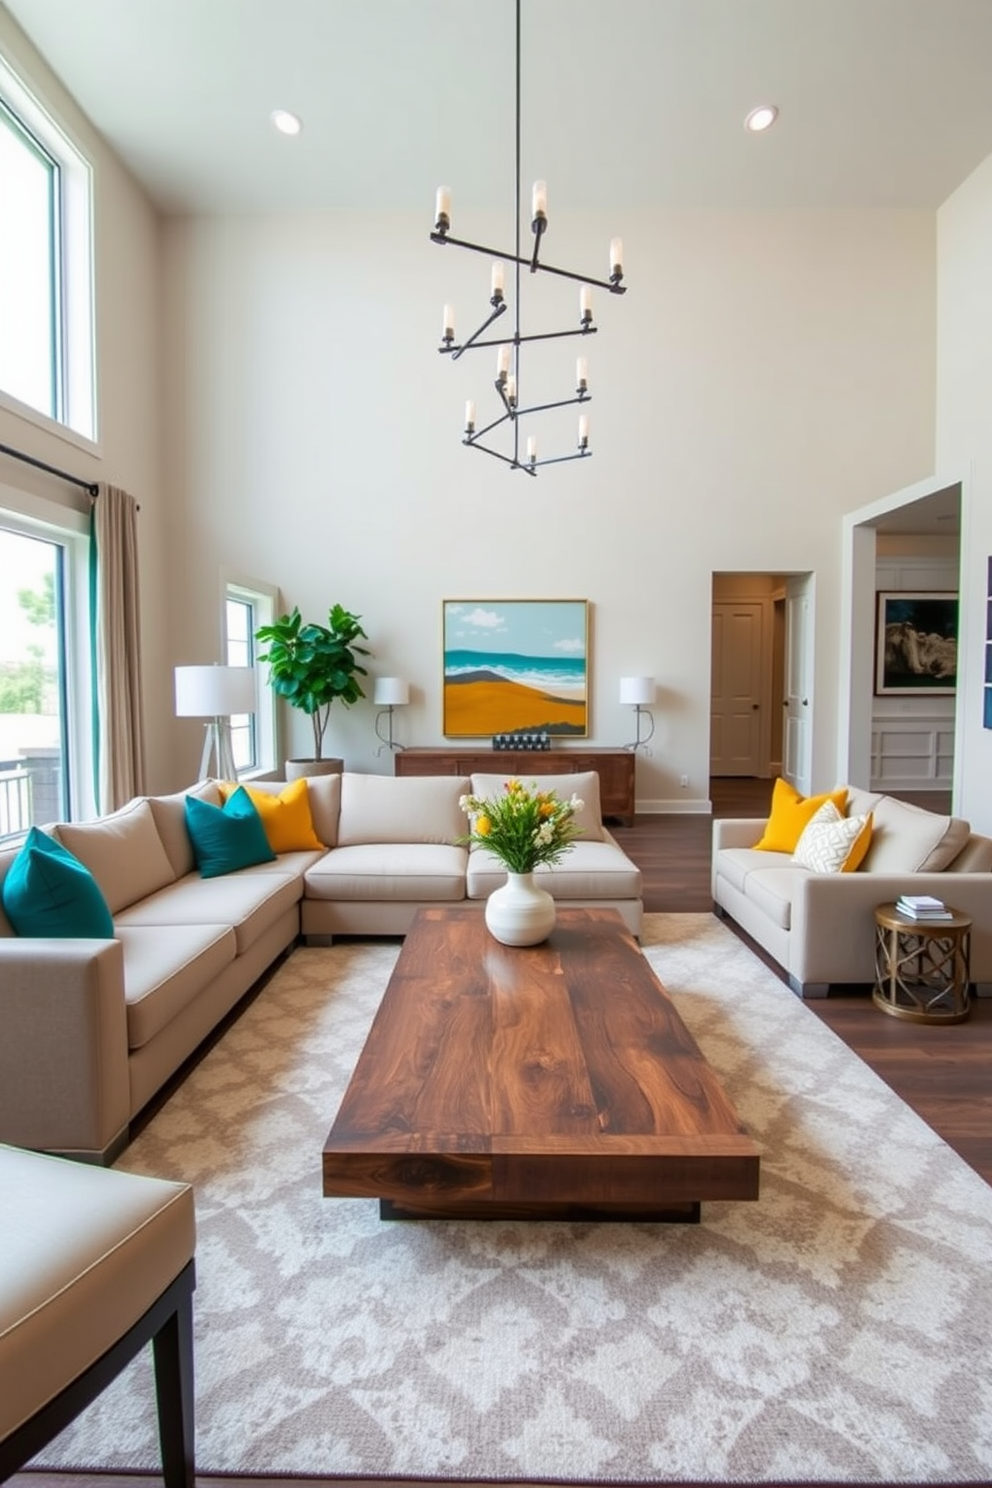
{"x": 576, "y": 804}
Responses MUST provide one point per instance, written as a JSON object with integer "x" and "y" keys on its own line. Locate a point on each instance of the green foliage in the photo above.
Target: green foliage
{"x": 24, "y": 685}
{"x": 522, "y": 827}
{"x": 313, "y": 665}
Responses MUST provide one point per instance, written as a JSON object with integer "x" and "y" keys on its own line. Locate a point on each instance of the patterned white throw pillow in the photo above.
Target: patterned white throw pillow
{"x": 832, "y": 843}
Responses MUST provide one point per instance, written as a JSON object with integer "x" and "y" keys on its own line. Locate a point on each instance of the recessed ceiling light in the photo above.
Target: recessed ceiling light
{"x": 285, "y": 122}
{"x": 761, "y": 118}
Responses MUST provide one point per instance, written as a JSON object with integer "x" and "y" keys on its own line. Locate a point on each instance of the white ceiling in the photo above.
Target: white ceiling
{"x": 625, "y": 102}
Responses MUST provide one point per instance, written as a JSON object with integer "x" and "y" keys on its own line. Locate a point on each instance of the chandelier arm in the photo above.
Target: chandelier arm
{"x": 542, "y": 268}
{"x": 583, "y": 454}
{"x": 494, "y": 425}
{"x": 510, "y": 460}
{"x": 456, "y": 351}
{"x": 561, "y": 403}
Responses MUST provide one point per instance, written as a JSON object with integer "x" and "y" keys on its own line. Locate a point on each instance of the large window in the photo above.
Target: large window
{"x": 44, "y": 677}
{"x": 46, "y": 302}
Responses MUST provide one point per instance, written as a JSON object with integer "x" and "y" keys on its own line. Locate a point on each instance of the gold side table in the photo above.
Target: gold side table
{"x": 922, "y": 967}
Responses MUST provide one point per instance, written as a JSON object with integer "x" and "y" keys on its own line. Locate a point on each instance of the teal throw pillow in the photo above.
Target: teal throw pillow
{"x": 49, "y": 893}
{"x": 227, "y": 837}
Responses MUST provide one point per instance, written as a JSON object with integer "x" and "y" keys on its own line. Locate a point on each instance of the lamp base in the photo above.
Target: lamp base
{"x": 217, "y": 741}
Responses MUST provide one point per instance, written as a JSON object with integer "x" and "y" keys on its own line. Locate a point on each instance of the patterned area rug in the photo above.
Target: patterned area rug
{"x": 836, "y": 1330}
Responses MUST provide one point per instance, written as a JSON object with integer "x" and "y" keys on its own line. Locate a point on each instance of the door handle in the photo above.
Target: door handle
{"x": 805, "y": 702}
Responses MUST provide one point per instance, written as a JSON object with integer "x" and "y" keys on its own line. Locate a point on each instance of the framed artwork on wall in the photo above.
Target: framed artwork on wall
{"x": 514, "y": 666}
{"x": 916, "y": 643}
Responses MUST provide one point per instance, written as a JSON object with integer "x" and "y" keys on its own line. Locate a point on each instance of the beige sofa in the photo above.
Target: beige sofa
{"x": 820, "y": 927}
{"x": 92, "y": 1029}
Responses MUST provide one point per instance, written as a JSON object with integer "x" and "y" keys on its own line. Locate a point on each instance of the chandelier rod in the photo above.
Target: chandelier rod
{"x": 516, "y": 266}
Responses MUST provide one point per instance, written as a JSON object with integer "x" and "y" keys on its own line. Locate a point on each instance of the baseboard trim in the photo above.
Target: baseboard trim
{"x": 678, "y": 806}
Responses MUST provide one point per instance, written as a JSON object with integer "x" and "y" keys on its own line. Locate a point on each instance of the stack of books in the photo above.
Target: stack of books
{"x": 923, "y": 907}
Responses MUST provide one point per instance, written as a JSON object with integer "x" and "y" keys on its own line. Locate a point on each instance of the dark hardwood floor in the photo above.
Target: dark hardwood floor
{"x": 943, "y": 1072}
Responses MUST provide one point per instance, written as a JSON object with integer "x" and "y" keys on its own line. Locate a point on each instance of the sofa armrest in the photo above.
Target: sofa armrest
{"x": 64, "y": 1078}
{"x": 832, "y": 935}
{"x": 732, "y": 831}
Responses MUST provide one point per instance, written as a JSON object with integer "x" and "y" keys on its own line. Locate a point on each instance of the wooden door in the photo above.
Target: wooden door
{"x": 736, "y": 687}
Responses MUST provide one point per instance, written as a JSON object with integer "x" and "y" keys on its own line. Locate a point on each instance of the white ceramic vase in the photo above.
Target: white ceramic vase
{"x": 520, "y": 913}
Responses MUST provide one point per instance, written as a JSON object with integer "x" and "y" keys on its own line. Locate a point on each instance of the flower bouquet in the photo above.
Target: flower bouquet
{"x": 524, "y": 828}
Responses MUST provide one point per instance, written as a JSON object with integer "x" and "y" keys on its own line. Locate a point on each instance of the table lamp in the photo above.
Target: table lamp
{"x": 390, "y": 693}
{"x": 637, "y": 692}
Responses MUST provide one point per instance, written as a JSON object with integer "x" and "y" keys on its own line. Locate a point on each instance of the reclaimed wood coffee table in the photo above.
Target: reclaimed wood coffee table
{"x": 549, "y": 1082}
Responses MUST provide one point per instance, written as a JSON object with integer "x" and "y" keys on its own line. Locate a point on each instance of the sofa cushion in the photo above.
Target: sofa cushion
{"x": 789, "y": 815}
{"x": 226, "y": 838}
{"x": 48, "y": 893}
{"x": 589, "y": 870}
{"x": 285, "y": 813}
{"x": 584, "y": 784}
{"x": 832, "y": 843}
{"x": 907, "y": 839}
{"x": 250, "y": 901}
{"x": 170, "y": 822}
{"x": 736, "y": 864}
{"x": 772, "y": 890}
{"x": 401, "y": 872}
{"x": 166, "y": 967}
{"x": 405, "y": 808}
{"x": 123, "y": 852}
{"x": 859, "y": 801}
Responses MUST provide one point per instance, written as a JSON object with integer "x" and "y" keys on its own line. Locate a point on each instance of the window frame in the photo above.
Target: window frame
{"x": 33, "y": 517}
{"x": 264, "y": 599}
{"x": 74, "y": 320}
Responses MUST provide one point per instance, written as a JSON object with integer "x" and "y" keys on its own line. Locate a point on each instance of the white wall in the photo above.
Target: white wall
{"x": 127, "y": 271}
{"x": 964, "y": 444}
{"x": 765, "y": 374}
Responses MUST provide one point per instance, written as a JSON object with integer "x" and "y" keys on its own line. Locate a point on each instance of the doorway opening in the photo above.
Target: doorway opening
{"x": 760, "y": 684}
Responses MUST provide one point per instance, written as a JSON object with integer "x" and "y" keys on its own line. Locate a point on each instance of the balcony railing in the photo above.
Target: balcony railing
{"x": 15, "y": 799}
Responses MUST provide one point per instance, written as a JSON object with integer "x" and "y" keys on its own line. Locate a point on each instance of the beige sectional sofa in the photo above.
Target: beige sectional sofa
{"x": 820, "y": 927}
{"x": 92, "y": 1029}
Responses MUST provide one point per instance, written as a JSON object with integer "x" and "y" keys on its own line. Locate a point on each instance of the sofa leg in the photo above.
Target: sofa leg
{"x": 719, "y": 911}
{"x": 808, "y": 989}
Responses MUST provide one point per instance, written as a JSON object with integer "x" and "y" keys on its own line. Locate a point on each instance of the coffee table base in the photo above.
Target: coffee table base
{"x": 620, "y": 1213}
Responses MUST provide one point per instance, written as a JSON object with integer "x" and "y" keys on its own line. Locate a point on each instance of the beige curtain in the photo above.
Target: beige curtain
{"x": 120, "y": 727}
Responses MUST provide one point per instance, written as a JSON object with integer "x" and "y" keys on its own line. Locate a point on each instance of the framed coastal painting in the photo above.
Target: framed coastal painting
{"x": 916, "y": 643}
{"x": 515, "y": 665}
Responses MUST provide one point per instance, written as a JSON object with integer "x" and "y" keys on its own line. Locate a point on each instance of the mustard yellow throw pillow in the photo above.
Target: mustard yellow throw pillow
{"x": 285, "y": 816}
{"x": 790, "y": 814}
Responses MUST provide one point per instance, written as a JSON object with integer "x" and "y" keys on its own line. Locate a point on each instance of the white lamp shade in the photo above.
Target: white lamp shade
{"x": 391, "y": 692}
{"x": 214, "y": 691}
{"x": 637, "y": 690}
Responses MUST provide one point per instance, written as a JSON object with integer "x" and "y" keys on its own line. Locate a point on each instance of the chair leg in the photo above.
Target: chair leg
{"x": 173, "y": 1350}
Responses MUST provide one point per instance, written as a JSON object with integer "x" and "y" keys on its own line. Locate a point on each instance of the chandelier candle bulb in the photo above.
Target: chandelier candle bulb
{"x": 442, "y": 209}
{"x": 539, "y": 200}
{"x": 498, "y": 282}
{"x": 581, "y": 375}
{"x": 469, "y": 416}
{"x": 583, "y": 430}
{"x": 511, "y": 389}
{"x": 448, "y": 328}
{"x": 585, "y": 305}
{"x": 616, "y": 257}
{"x": 502, "y": 363}
{"x": 532, "y": 447}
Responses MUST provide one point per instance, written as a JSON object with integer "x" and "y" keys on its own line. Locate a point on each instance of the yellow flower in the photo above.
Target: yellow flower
{"x": 546, "y": 808}
{"x": 483, "y": 826}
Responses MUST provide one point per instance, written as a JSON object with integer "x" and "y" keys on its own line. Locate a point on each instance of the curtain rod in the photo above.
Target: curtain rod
{"x": 75, "y": 480}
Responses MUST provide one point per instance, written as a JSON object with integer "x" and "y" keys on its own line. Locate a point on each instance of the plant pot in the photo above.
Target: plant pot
{"x": 296, "y": 769}
{"x": 520, "y": 913}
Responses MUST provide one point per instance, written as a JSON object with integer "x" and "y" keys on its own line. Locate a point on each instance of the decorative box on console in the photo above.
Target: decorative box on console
{"x": 522, "y": 741}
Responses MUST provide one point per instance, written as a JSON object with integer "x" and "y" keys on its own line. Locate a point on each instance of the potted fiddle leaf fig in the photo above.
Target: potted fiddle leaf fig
{"x": 313, "y": 665}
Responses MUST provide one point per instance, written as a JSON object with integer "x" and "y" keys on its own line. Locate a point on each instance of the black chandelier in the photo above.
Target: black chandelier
{"x": 508, "y": 375}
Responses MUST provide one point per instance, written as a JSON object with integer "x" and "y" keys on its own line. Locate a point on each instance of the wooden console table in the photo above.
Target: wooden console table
{"x": 615, "y": 768}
